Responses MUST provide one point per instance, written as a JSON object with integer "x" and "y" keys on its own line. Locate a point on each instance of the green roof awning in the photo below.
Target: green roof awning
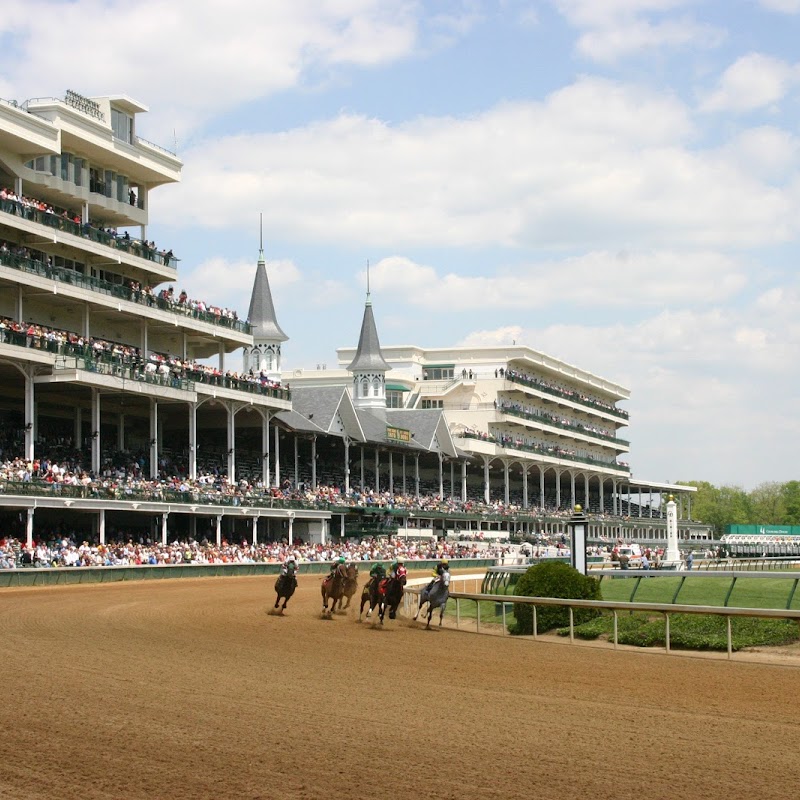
{"x": 396, "y": 387}
{"x": 438, "y": 366}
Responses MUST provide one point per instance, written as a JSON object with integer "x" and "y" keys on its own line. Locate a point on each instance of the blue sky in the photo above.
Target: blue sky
{"x": 613, "y": 182}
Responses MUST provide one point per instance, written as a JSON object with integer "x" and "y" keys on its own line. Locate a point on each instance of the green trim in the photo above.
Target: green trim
{"x": 438, "y": 366}
{"x": 396, "y": 387}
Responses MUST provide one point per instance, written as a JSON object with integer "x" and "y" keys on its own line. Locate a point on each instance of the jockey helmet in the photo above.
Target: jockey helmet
{"x": 445, "y": 562}
{"x": 291, "y": 559}
{"x": 400, "y": 560}
{"x": 342, "y": 560}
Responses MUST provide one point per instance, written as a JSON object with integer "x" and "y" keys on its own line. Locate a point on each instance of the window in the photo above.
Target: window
{"x": 438, "y": 372}
{"x": 122, "y": 126}
{"x": 433, "y": 403}
{"x": 77, "y": 171}
{"x": 394, "y": 399}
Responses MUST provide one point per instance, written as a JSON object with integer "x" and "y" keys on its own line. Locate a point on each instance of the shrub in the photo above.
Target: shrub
{"x": 553, "y": 579}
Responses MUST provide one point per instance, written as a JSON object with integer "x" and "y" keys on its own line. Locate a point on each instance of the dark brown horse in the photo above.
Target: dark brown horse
{"x": 391, "y": 590}
{"x": 370, "y": 595}
{"x": 284, "y": 588}
{"x": 333, "y": 589}
{"x": 350, "y": 587}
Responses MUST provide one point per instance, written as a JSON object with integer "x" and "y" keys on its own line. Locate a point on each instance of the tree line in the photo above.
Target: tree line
{"x": 767, "y": 504}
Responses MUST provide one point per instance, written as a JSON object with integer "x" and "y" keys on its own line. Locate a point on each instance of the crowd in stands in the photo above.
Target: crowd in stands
{"x": 531, "y": 412}
{"x": 67, "y": 552}
{"x": 38, "y": 210}
{"x": 563, "y": 390}
{"x": 29, "y": 334}
{"x": 166, "y": 299}
{"x": 538, "y": 446}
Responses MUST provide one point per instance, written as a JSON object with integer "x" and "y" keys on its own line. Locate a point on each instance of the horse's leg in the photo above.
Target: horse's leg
{"x": 441, "y": 613}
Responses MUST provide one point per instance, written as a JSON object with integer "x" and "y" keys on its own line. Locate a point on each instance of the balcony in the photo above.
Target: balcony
{"x": 572, "y": 397}
{"x": 574, "y": 428}
{"x": 118, "y": 291}
{"x": 551, "y": 452}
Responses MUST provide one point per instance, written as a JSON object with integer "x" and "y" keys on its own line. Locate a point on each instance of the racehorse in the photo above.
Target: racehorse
{"x": 371, "y": 595}
{"x": 391, "y": 590}
{"x": 284, "y": 588}
{"x": 333, "y": 589}
{"x": 350, "y": 586}
{"x": 436, "y": 597}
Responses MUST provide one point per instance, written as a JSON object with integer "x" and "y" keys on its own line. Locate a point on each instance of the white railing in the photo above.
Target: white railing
{"x": 616, "y": 607}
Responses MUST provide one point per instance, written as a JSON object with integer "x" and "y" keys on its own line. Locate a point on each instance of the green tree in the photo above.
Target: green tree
{"x": 768, "y": 504}
{"x": 791, "y": 503}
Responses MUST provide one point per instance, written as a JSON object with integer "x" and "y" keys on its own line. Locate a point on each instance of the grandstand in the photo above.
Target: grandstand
{"x": 124, "y": 411}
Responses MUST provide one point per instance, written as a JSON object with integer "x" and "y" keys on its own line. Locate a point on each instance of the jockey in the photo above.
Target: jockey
{"x": 442, "y": 567}
{"x": 398, "y": 568}
{"x": 340, "y": 562}
{"x": 289, "y": 567}
{"x": 377, "y": 573}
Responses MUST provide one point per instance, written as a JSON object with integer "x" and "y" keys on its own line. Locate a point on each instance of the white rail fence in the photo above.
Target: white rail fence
{"x": 667, "y": 610}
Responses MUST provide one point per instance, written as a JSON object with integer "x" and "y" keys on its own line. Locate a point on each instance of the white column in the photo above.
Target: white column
{"x": 221, "y": 353}
{"x": 265, "y": 470}
{"x": 277, "y": 457}
{"x": 441, "y": 475}
{"x": 192, "y": 441}
{"x": 377, "y": 470}
{"x": 86, "y": 322}
{"x": 291, "y": 528}
{"x": 586, "y": 493}
{"x": 602, "y": 496}
{"x": 95, "y": 431}
{"x": 485, "y": 480}
{"x": 164, "y": 528}
{"x": 78, "y": 431}
{"x": 572, "y": 490}
{"x": 144, "y": 342}
{"x": 416, "y": 475}
{"x": 404, "y": 473}
{"x": 464, "y": 481}
{"x": 101, "y": 526}
{"x": 314, "y": 463}
{"x": 29, "y": 528}
{"x": 524, "y": 486}
{"x": 219, "y": 531}
{"x": 558, "y": 490}
{"x": 30, "y": 432}
{"x": 391, "y": 472}
{"x": 231, "y": 411}
{"x": 362, "y": 468}
{"x": 673, "y": 552}
{"x": 541, "y": 487}
{"x": 506, "y": 487}
{"x": 346, "y": 465}
{"x": 614, "y": 496}
{"x": 153, "y": 439}
{"x": 452, "y": 480}
{"x": 255, "y": 531}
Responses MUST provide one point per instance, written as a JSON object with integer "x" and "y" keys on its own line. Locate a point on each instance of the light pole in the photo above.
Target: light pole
{"x": 577, "y": 530}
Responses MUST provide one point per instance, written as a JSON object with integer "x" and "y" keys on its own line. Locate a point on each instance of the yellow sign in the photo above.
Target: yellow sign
{"x": 398, "y": 435}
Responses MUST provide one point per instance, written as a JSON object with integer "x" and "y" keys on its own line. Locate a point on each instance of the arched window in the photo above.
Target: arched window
{"x": 376, "y": 387}
{"x": 365, "y": 387}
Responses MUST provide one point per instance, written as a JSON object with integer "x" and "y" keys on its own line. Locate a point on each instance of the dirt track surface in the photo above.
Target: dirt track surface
{"x": 189, "y": 689}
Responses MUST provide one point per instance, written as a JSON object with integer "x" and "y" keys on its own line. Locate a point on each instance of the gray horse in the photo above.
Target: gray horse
{"x": 436, "y": 597}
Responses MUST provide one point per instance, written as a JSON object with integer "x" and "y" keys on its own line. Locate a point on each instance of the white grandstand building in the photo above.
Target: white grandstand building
{"x": 105, "y": 364}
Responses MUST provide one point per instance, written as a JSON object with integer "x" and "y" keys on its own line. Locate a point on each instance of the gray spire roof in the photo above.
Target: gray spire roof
{"x": 368, "y": 355}
{"x": 261, "y": 315}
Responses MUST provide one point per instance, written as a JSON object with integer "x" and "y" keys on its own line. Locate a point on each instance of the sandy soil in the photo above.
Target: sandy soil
{"x": 190, "y": 689}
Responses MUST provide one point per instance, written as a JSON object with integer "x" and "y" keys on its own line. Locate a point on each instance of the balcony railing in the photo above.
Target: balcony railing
{"x": 85, "y": 231}
{"x": 85, "y": 357}
{"x": 31, "y": 266}
{"x": 539, "y": 386}
{"x": 565, "y": 425}
{"x": 544, "y": 451}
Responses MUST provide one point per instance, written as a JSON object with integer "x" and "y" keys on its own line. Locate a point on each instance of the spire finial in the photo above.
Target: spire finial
{"x": 368, "y": 298}
{"x": 261, "y": 231}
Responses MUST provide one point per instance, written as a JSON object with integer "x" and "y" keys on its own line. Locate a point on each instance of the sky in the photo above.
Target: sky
{"x": 615, "y": 183}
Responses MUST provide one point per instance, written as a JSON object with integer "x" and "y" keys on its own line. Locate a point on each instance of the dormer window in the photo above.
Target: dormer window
{"x": 122, "y": 125}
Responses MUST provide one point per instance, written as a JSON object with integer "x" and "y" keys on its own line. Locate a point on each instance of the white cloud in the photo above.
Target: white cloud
{"x": 709, "y": 400}
{"x": 784, "y": 6}
{"x": 594, "y": 165}
{"x": 752, "y": 81}
{"x": 614, "y": 29}
{"x": 765, "y": 151}
{"x": 618, "y": 280}
{"x": 192, "y": 61}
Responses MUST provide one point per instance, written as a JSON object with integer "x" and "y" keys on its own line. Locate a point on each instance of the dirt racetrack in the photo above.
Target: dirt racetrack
{"x": 189, "y": 689}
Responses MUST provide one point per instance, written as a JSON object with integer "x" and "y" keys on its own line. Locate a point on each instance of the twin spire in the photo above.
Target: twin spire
{"x": 261, "y": 315}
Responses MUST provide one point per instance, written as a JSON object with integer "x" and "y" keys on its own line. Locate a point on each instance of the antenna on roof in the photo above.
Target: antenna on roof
{"x": 261, "y": 231}
{"x": 367, "y": 278}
